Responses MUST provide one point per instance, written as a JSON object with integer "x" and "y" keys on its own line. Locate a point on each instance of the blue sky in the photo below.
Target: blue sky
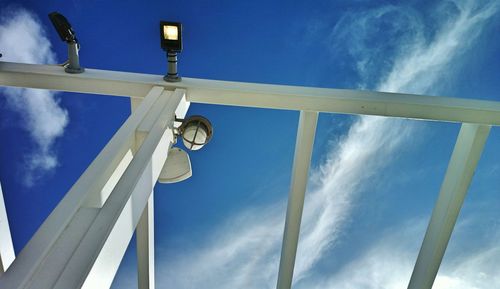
{"x": 373, "y": 180}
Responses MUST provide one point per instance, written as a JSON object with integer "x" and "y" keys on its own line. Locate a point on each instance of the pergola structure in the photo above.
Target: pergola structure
{"x": 82, "y": 242}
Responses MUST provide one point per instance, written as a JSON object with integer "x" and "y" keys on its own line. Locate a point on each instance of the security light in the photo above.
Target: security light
{"x": 171, "y": 42}
{"x": 171, "y": 36}
{"x": 63, "y": 27}
{"x": 177, "y": 167}
{"x": 65, "y": 31}
{"x": 196, "y": 131}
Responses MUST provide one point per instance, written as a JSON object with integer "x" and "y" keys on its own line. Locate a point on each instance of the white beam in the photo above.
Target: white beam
{"x": 466, "y": 154}
{"x": 58, "y": 236}
{"x": 145, "y": 228}
{"x": 131, "y": 195}
{"x": 256, "y": 95}
{"x": 146, "y": 247}
{"x": 7, "y": 254}
{"x": 144, "y": 232}
{"x": 302, "y": 159}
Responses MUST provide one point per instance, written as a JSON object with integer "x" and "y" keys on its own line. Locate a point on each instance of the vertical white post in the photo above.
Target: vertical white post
{"x": 145, "y": 228}
{"x": 301, "y": 163}
{"x": 145, "y": 247}
{"x": 7, "y": 254}
{"x": 466, "y": 154}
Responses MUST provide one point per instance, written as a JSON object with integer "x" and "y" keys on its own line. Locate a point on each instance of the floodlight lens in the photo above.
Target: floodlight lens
{"x": 170, "y": 32}
{"x": 171, "y": 36}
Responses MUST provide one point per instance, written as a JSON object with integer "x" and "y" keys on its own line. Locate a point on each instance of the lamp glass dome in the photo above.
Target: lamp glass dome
{"x": 194, "y": 137}
{"x": 196, "y": 131}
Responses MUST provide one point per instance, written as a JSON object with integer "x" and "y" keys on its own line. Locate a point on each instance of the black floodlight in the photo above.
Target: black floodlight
{"x": 171, "y": 42}
{"x": 63, "y": 27}
{"x": 67, "y": 34}
{"x": 171, "y": 36}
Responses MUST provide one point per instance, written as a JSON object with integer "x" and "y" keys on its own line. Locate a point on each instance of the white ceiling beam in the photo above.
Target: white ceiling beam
{"x": 256, "y": 95}
{"x": 101, "y": 249}
{"x": 301, "y": 162}
{"x": 7, "y": 254}
{"x": 463, "y": 162}
{"x": 45, "y": 253}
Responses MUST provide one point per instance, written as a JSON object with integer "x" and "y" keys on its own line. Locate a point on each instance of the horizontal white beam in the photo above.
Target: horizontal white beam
{"x": 301, "y": 162}
{"x": 463, "y": 162}
{"x": 256, "y": 95}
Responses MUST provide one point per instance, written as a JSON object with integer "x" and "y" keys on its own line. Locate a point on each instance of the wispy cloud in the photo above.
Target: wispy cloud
{"x": 245, "y": 253}
{"x": 388, "y": 264}
{"x": 23, "y": 39}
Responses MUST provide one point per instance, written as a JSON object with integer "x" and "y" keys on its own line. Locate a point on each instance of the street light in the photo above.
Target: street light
{"x": 65, "y": 31}
{"x": 171, "y": 42}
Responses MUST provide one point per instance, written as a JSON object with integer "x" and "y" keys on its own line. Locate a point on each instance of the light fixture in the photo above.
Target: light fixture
{"x": 196, "y": 131}
{"x": 171, "y": 42}
{"x": 65, "y": 31}
{"x": 177, "y": 167}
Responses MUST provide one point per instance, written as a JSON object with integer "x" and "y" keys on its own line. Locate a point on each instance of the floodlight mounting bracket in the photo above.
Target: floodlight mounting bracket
{"x": 73, "y": 63}
{"x": 172, "y": 74}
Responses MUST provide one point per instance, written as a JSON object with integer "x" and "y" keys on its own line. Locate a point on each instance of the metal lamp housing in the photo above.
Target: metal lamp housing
{"x": 196, "y": 132}
{"x": 66, "y": 33}
{"x": 63, "y": 27}
{"x": 169, "y": 43}
{"x": 177, "y": 167}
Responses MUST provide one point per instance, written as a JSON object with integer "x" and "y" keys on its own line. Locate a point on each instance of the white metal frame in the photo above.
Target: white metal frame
{"x": 7, "y": 254}
{"x": 82, "y": 242}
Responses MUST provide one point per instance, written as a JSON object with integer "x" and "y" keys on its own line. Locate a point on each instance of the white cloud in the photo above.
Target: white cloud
{"x": 388, "y": 265}
{"x": 245, "y": 253}
{"x": 23, "y": 39}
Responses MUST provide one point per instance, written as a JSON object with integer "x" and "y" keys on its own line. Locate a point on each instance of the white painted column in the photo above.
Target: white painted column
{"x": 144, "y": 231}
{"x": 145, "y": 228}
{"x": 7, "y": 254}
{"x": 146, "y": 247}
{"x": 128, "y": 200}
{"x": 466, "y": 154}
{"x": 302, "y": 159}
{"x": 83, "y": 240}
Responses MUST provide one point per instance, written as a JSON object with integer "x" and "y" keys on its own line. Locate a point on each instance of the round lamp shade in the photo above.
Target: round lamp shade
{"x": 196, "y": 132}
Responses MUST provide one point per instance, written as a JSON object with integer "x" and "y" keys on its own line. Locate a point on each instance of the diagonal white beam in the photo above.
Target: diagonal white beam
{"x": 75, "y": 212}
{"x": 256, "y": 95}
{"x": 144, "y": 232}
{"x": 105, "y": 265}
{"x": 302, "y": 159}
{"x": 120, "y": 214}
{"x": 463, "y": 162}
{"x": 145, "y": 227}
{"x": 7, "y": 254}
